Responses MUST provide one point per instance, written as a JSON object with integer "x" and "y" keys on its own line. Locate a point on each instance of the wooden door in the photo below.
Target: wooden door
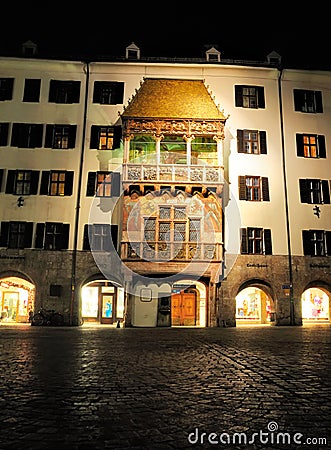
{"x": 183, "y": 309}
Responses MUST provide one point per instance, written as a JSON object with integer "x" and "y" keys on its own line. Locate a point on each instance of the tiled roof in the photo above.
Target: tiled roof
{"x": 172, "y": 98}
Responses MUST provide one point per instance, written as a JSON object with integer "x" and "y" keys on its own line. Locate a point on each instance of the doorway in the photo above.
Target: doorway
{"x": 102, "y": 302}
{"x": 184, "y": 309}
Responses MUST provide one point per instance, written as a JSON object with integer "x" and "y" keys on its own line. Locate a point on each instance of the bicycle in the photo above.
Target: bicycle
{"x": 48, "y": 317}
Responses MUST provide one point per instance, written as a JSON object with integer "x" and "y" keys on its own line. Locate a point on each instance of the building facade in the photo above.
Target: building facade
{"x": 153, "y": 192}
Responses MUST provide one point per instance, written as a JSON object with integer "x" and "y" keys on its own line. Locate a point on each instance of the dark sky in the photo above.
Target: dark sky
{"x": 106, "y": 29}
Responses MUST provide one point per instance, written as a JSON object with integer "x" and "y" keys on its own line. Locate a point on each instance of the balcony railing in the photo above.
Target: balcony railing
{"x": 173, "y": 173}
{"x": 175, "y": 251}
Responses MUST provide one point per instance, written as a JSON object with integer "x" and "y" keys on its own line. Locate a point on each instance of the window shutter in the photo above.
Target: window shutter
{"x": 321, "y": 146}
{"x": 319, "y": 102}
{"x": 117, "y": 136}
{"x": 267, "y": 241}
{"x": 240, "y": 141}
{"x": 69, "y": 178}
{"x": 28, "y": 234}
{"x": 328, "y": 242}
{"x": 44, "y": 185}
{"x": 298, "y": 99}
{"x": 299, "y": 140}
{"x": 11, "y": 175}
{"x": 1, "y": 177}
{"x": 4, "y": 234}
{"x": 114, "y": 235}
{"x": 90, "y": 190}
{"x": 49, "y": 136}
{"x": 263, "y": 142}
{"x": 34, "y": 182}
{"x": 75, "y": 92}
{"x": 265, "y": 189}
{"x": 243, "y": 232}
{"x": 97, "y": 92}
{"x": 36, "y": 136}
{"x": 119, "y": 93}
{"x": 306, "y": 240}
{"x": 242, "y": 188}
{"x": 52, "y": 91}
{"x": 4, "y": 129}
{"x": 304, "y": 197}
{"x": 94, "y": 141}
{"x": 39, "y": 240}
{"x": 107, "y": 241}
{"x": 15, "y": 134}
{"x": 86, "y": 241}
{"x": 65, "y": 236}
{"x": 72, "y": 136}
{"x": 115, "y": 184}
{"x": 238, "y": 95}
{"x": 260, "y": 97}
{"x": 325, "y": 192}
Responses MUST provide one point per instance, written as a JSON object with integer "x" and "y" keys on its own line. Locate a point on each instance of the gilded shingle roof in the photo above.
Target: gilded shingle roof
{"x": 177, "y": 99}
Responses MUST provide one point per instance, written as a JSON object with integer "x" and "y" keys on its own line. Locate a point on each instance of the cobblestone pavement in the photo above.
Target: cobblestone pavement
{"x": 90, "y": 388}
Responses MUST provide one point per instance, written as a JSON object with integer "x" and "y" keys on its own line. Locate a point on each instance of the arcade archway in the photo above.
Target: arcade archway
{"x": 254, "y": 306}
{"x": 17, "y": 297}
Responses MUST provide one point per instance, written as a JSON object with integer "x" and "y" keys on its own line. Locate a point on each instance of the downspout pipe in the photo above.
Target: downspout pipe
{"x": 78, "y": 199}
{"x": 288, "y": 230}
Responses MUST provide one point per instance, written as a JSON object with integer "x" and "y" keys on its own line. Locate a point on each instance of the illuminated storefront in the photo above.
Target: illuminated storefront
{"x": 315, "y": 305}
{"x": 253, "y": 306}
{"x": 17, "y": 300}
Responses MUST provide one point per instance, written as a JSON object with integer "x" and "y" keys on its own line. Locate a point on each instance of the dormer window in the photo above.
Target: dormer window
{"x": 274, "y": 58}
{"x": 29, "y": 48}
{"x": 132, "y": 52}
{"x": 213, "y": 55}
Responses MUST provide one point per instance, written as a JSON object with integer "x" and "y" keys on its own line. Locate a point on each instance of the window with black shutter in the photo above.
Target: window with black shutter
{"x": 20, "y": 234}
{"x": 310, "y": 145}
{"x": 105, "y": 138}
{"x": 308, "y": 101}
{"x": 108, "y": 92}
{"x": 56, "y": 182}
{"x": 4, "y": 132}
{"x": 52, "y": 236}
{"x": 60, "y": 136}
{"x": 31, "y": 90}
{"x": 100, "y": 237}
{"x": 6, "y": 89}
{"x": 26, "y": 135}
{"x": 22, "y": 182}
{"x": 249, "y": 96}
{"x": 256, "y": 241}
{"x": 62, "y": 91}
{"x": 314, "y": 191}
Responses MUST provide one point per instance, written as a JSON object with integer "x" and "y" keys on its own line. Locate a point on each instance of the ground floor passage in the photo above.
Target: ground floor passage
{"x": 182, "y": 304}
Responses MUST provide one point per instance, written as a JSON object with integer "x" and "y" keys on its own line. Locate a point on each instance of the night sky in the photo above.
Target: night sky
{"x": 106, "y": 29}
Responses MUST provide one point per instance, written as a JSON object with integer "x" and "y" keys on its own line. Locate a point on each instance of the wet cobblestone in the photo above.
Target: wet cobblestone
{"x": 91, "y": 388}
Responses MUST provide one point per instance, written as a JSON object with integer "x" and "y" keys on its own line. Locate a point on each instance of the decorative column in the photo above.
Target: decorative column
{"x": 219, "y": 141}
{"x": 126, "y": 149}
{"x": 188, "y": 140}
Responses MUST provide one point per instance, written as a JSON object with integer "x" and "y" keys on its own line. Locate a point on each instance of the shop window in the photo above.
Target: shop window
{"x": 316, "y": 242}
{"x": 60, "y": 136}
{"x": 31, "y": 90}
{"x": 6, "y": 89}
{"x": 16, "y": 234}
{"x": 27, "y": 135}
{"x": 311, "y": 145}
{"x": 249, "y": 96}
{"x": 108, "y": 92}
{"x": 64, "y": 91}
{"x": 253, "y": 188}
{"x": 314, "y": 191}
{"x": 252, "y": 142}
{"x": 256, "y": 241}
{"x": 307, "y": 101}
{"x": 105, "y": 138}
{"x": 22, "y": 182}
{"x": 56, "y": 183}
